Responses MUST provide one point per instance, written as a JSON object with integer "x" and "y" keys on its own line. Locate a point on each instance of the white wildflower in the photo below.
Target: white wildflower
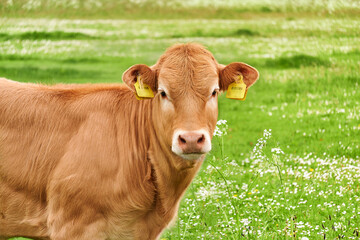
{"x": 277, "y": 150}
{"x": 221, "y": 128}
{"x": 245, "y": 221}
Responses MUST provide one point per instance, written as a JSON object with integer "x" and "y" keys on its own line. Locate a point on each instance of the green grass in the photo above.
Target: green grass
{"x": 174, "y": 9}
{"x": 308, "y": 95}
{"x": 57, "y": 35}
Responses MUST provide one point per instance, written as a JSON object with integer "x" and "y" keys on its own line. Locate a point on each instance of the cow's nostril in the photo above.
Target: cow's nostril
{"x": 182, "y": 139}
{"x": 202, "y": 139}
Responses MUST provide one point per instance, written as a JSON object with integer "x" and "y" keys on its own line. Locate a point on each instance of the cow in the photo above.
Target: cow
{"x": 91, "y": 161}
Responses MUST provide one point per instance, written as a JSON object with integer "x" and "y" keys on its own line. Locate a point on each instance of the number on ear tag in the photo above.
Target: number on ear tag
{"x": 143, "y": 91}
{"x": 237, "y": 90}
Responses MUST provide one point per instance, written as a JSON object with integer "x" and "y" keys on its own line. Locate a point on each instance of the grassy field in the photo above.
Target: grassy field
{"x": 287, "y": 162}
{"x": 173, "y": 9}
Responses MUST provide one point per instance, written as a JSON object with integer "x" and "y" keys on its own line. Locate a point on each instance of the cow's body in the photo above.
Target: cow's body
{"x": 85, "y": 147}
{"x": 91, "y": 161}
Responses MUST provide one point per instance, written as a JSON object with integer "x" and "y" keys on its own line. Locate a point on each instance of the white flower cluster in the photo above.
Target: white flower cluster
{"x": 245, "y": 221}
{"x": 277, "y": 150}
{"x": 261, "y": 143}
{"x": 221, "y": 128}
{"x": 267, "y": 134}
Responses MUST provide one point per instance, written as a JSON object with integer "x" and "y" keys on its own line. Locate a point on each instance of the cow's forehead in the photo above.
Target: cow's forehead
{"x": 188, "y": 66}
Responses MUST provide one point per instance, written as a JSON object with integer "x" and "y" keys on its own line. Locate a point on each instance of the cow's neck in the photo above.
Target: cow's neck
{"x": 171, "y": 175}
{"x": 171, "y": 179}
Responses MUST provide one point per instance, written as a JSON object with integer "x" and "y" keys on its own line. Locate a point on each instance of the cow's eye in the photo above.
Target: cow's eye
{"x": 214, "y": 93}
{"x": 163, "y": 94}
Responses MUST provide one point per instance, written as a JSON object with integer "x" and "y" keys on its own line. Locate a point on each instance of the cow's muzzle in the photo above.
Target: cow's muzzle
{"x": 191, "y": 145}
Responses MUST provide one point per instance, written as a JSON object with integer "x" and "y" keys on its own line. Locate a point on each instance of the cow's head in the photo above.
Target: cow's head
{"x": 186, "y": 81}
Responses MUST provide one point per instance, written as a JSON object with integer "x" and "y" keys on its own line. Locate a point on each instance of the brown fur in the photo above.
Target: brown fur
{"x": 92, "y": 162}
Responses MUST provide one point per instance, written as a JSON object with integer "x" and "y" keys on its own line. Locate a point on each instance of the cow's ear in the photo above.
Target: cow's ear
{"x": 228, "y": 74}
{"x": 147, "y": 75}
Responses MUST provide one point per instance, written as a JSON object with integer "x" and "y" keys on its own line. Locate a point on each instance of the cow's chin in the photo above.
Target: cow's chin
{"x": 191, "y": 156}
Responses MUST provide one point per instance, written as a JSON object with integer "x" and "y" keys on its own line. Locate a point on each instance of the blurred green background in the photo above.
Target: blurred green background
{"x": 307, "y": 53}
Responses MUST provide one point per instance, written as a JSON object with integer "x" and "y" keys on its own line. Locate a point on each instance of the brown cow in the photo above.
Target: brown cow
{"x": 93, "y": 162}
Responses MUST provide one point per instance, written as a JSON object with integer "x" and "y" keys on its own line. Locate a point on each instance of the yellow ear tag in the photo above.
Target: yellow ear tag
{"x": 143, "y": 91}
{"x": 237, "y": 90}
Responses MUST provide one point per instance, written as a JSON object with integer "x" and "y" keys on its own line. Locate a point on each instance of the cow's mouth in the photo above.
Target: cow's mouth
{"x": 191, "y": 156}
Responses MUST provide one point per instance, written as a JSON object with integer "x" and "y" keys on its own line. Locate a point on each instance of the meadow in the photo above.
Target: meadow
{"x": 285, "y": 162}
